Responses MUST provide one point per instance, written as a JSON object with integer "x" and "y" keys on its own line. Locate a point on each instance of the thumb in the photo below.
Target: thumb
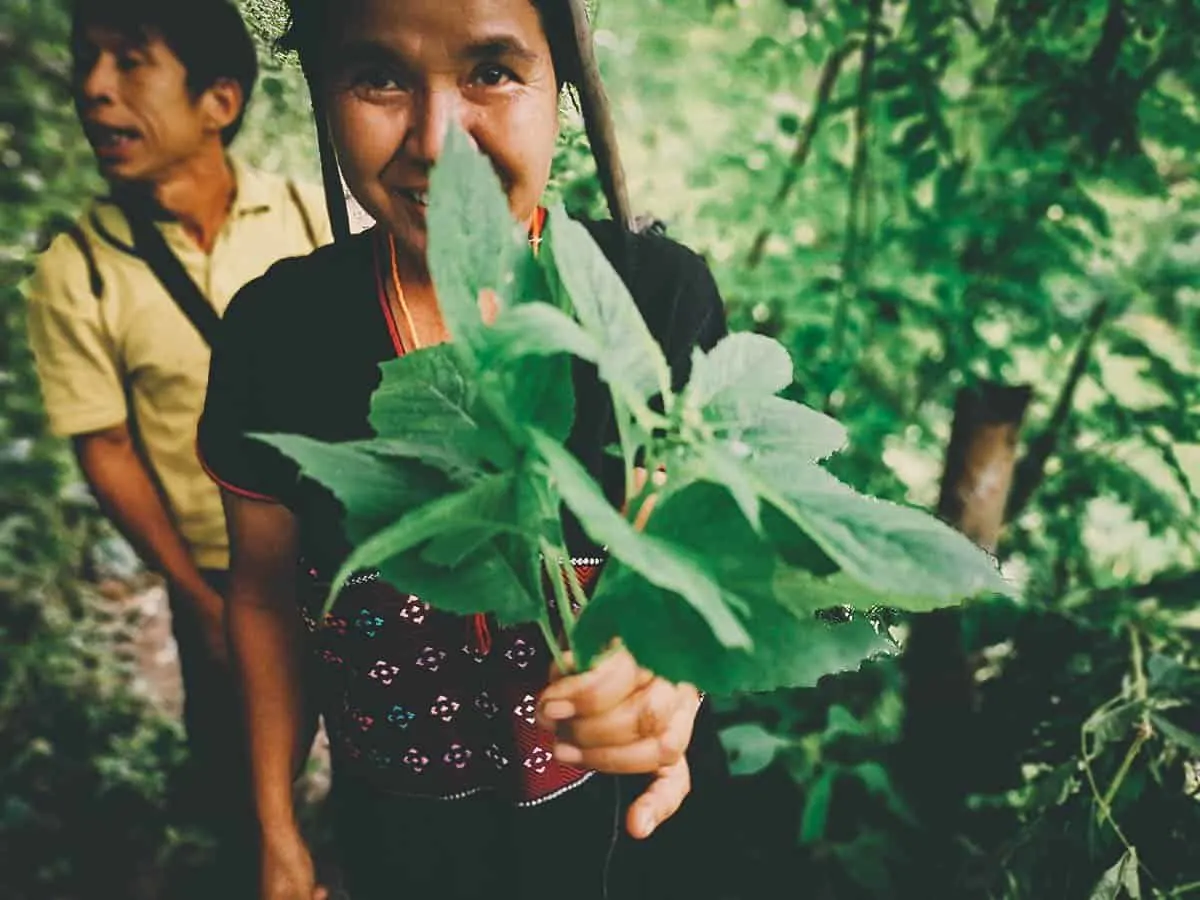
{"x": 320, "y": 892}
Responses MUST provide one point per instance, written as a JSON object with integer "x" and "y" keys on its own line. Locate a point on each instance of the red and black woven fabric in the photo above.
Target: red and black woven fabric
{"x": 417, "y": 702}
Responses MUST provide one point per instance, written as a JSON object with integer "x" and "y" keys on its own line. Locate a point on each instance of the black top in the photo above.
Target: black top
{"x": 299, "y": 350}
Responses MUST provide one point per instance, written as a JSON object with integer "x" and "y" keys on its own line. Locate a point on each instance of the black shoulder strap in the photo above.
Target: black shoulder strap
{"x": 298, "y": 202}
{"x": 152, "y": 247}
{"x": 79, "y": 239}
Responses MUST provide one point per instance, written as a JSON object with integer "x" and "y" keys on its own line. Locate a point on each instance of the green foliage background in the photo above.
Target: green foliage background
{"x": 913, "y": 196}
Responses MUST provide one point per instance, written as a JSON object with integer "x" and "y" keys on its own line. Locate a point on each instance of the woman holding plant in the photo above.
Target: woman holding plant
{"x": 463, "y": 767}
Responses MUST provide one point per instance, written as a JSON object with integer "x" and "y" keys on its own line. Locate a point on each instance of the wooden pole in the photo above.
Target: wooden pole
{"x": 597, "y": 119}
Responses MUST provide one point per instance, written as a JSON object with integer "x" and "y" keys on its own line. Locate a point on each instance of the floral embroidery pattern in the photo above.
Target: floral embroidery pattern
{"x": 538, "y": 760}
{"x": 414, "y": 760}
{"x": 496, "y": 756}
{"x": 368, "y": 623}
{"x": 414, "y": 611}
{"x": 400, "y": 717}
{"x": 521, "y": 653}
{"x": 486, "y": 706}
{"x": 464, "y": 721}
{"x": 336, "y": 624}
{"x": 384, "y": 672}
{"x": 444, "y": 708}
{"x": 431, "y": 659}
{"x": 457, "y": 756}
{"x": 477, "y": 656}
{"x": 331, "y": 658}
{"x": 526, "y": 708}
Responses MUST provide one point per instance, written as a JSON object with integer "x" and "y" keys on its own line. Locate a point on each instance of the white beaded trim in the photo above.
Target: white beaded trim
{"x": 373, "y": 576}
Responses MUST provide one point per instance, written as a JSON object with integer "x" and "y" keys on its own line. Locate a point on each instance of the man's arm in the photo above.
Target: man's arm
{"x": 127, "y": 494}
{"x": 80, "y": 372}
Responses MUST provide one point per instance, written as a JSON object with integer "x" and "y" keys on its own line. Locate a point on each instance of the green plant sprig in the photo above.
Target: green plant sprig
{"x": 464, "y": 483}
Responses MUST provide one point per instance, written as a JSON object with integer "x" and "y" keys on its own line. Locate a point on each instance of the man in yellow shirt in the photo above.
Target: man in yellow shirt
{"x": 161, "y": 88}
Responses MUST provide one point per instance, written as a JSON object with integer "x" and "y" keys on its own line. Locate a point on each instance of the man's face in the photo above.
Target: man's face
{"x": 135, "y": 106}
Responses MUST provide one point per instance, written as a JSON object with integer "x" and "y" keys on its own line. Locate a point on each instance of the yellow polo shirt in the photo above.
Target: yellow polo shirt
{"x": 132, "y": 355}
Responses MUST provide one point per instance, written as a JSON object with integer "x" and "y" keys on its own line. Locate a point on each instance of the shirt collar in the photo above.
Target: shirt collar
{"x": 253, "y": 192}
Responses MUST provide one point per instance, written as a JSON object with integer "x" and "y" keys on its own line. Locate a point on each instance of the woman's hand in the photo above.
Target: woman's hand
{"x": 621, "y": 719}
{"x": 287, "y": 869}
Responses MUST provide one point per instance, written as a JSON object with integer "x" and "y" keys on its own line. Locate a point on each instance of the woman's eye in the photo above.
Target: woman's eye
{"x": 127, "y": 62}
{"x": 493, "y": 75}
{"x": 377, "y": 81}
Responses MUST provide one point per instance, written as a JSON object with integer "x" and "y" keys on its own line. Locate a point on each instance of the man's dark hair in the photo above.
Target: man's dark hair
{"x": 308, "y": 23}
{"x": 208, "y": 36}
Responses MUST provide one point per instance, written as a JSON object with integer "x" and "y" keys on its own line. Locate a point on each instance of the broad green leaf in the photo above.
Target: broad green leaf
{"x": 489, "y": 503}
{"x": 538, "y": 329}
{"x": 772, "y": 427}
{"x": 630, "y": 360}
{"x": 805, "y": 593}
{"x": 452, "y": 548}
{"x": 741, "y": 365}
{"x": 669, "y": 637}
{"x": 890, "y": 548}
{"x": 426, "y": 407}
{"x": 657, "y": 561}
{"x": 1120, "y": 882}
{"x": 540, "y": 394}
{"x": 1112, "y": 723}
{"x": 372, "y": 491}
{"x": 473, "y": 240}
{"x": 816, "y": 807}
{"x": 750, "y": 748}
{"x": 528, "y": 355}
{"x": 486, "y": 581}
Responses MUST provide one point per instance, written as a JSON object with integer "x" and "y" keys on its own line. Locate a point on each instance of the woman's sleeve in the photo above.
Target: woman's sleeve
{"x": 238, "y": 404}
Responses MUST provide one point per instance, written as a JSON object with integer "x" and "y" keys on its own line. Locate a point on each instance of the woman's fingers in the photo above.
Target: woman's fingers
{"x": 645, "y": 714}
{"x": 632, "y": 742}
{"x": 660, "y": 801}
{"x": 593, "y": 692}
{"x": 636, "y": 758}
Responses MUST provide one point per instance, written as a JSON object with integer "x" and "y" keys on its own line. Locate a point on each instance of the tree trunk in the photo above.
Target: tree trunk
{"x": 936, "y": 752}
{"x": 981, "y": 460}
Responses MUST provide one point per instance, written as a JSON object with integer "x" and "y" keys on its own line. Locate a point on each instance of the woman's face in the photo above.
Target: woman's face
{"x": 398, "y": 72}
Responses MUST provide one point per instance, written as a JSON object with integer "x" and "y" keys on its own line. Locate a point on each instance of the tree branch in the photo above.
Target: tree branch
{"x": 1031, "y": 470}
{"x": 1108, "y": 48}
{"x": 829, "y": 76}
{"x": 858, "y": 184}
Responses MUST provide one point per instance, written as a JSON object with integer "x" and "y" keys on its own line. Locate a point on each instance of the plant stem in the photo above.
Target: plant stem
{"x": 627, "y": 446}
{"x": 552, "y": 641}
{"x": 578, "y": 594}
{"x": 552, "y": 562}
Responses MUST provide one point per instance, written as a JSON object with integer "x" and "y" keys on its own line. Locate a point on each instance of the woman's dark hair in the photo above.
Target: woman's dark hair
{"x": 208, "y": 36}
{"x": 307, "y": 28}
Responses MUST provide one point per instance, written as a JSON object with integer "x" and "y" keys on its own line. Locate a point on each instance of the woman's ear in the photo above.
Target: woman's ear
{"x": 221, "y": 104}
